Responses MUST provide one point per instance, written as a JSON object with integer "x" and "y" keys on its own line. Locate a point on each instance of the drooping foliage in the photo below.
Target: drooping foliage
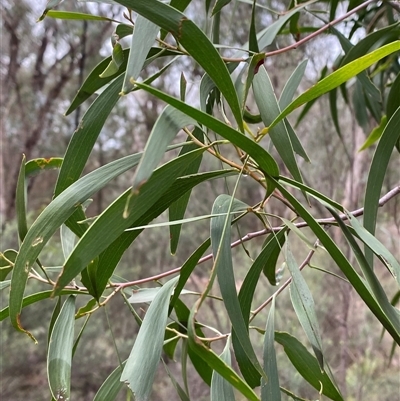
{"x": 261, "y": 146}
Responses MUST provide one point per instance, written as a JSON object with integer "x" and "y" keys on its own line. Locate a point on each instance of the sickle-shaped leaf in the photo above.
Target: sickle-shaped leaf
{"x": 269, "y": 109}
{"x": 304, "y": 307}
{"x": 195, "y": 43}
{"x": 222, "y": 252}
{"x": 338, "y": 77}
{"x": 143, "y": 37}
{"x": 168, "y": 124}
{"x": 55, "y": 214}
{"x": 85, "y": 136}
{"x": 270, "y": 390}
{"x": 266, "y": 260}
{"x": 59, "y": 357}
{"x": 260, "y": 155}
{"x": 221, "y": 390}
{"x": 116, "y": 218}
{"x": 109, "y": 259}
{"x": 377, "y": 172}
{"x": 111, "y": 386}
{"x": 141, "y": 365}
{"x": 307, "y": 365}
{"x": 389, "y": 322}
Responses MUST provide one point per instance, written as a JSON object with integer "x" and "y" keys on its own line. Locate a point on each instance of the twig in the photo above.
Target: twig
{"x": 319, "y": 31}
{"x": 358, "y": 212}
{"x": 312, "y": 35}
{"x": 280, "y": 289}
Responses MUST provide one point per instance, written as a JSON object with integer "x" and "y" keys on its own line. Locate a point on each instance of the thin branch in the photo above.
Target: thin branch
{"x": 319, "y": 31}
{"x": 312, "y": 35}
{"x": 328, "y": 221}
{"x": 306, "y": 261}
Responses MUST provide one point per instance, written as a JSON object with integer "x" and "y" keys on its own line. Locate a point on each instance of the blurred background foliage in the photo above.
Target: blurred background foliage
{"x": 42, "y": 66}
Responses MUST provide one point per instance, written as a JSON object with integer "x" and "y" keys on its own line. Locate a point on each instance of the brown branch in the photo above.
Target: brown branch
{"x": 382, "y": 201}
{"x": 311, "y": 36}
{"x": 306, "y": 261}
{"x": 322, "y": 29}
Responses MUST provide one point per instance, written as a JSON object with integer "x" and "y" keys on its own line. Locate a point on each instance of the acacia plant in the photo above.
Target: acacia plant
{"x": 238, "y": 120}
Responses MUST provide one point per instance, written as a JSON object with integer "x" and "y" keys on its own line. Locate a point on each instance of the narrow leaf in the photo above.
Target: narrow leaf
{"x": 377, "y": 173}
{"x": 222, "y": 252}
{"x": 168, "y": 124}
{"x": 140, "y": 368}
{"x": 260, "y": 155}
{"x": 69, "y": 15}
{"x": 195, "y": 43}
{"x": 143, "y": 37}
{"x": 338, "y": 77}
{"x": 269, "y": 109}
{"x": 307, "y": 365}
{"x": 292, "y": 84}
{"x": 85, "y": 136}
{"x": 377, "y": 247}
{"x": 59, "y": 357}
{"x": 265, "y": 261}
{"x": 270, "y": 390}
{"x": 39, "y": 296}
{"x": 111, "y": 387}
{"x": 304, "y": 307}
{"x": 20, "y": 202}
{"x": 116, "y": 218}
{"x": 341, "y": 261}
{"x": 221, "y": 390}
{"x": 55, "y": 214}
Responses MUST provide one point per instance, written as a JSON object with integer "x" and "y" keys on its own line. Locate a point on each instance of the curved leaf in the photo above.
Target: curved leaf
{"x": 266, "y": 260}
{"x": 143, "y": 37}
{"x": 222, "y": 252}
{"x": 195, "y": 43}
{"x": 116, "y": 218}
{"x": 59, "y": 356}
{"x": 111, "y": 387}
{"x": 269, "y": 109}
{"x": 55, "y": 214}
{"x": 221, "y": 390}
{"x": 260, "y": 155}
{"x": 141, "y": 365}
{"x": 338, "y": 77}
{"x": 304, "y": 306}
{"x": 307, "y": 365}
{"x": 168, "y": 124}
{"x": 377, "y": 173}
{"x": 270, "y": 390}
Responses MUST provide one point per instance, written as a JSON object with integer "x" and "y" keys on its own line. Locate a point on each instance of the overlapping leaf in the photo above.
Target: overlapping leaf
{"x": 195, "y": 43}
{"x": 140, "y": 368}
{"x": 338, "y": 77}
{"x": 59, "y": 357}
{"x": 55, "y": 214}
